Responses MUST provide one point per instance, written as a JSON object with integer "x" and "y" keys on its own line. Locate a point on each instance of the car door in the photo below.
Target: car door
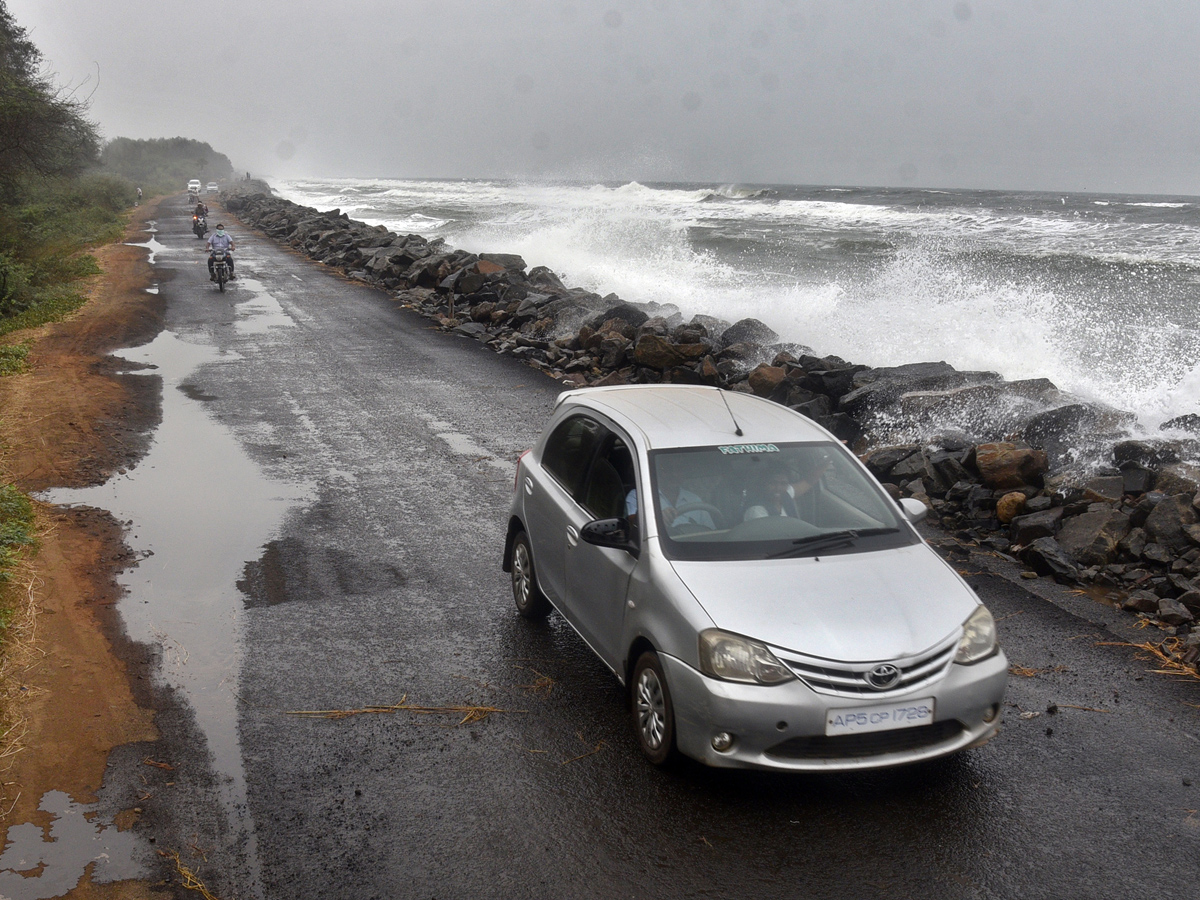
{"x": 597, "y": 578}
{"x": 551, "y": 510}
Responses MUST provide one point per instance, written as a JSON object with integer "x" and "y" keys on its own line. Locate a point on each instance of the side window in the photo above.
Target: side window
{"x": 570, "y": 449}
{"x": 611, "y": 481}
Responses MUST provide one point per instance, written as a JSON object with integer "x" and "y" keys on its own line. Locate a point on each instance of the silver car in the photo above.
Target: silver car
{"x": 764, "y": 600}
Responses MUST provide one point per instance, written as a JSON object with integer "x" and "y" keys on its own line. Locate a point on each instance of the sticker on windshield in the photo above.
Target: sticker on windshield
{"x": 733, "y": 449}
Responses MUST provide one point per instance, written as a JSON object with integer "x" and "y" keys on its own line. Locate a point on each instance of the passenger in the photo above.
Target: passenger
{"x": 812, "y": 467}
{"x": 773, "y": 496}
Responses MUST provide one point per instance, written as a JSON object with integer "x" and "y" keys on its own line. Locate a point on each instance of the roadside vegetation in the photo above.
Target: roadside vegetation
{"x": 63, "y": 191}
{"x": 164, "y": 165}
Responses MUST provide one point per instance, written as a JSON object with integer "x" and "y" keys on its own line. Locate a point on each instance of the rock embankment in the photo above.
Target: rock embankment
{"x": 1017, "y": 467}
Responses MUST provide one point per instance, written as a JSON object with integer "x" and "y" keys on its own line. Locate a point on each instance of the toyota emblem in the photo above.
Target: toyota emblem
{"x": 883, "y": 677}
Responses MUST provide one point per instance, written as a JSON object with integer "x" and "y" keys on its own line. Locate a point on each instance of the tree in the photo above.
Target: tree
{"x": 43, "y": 130}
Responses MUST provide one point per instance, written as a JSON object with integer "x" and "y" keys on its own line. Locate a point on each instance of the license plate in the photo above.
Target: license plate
{"x": 885, "y": 717}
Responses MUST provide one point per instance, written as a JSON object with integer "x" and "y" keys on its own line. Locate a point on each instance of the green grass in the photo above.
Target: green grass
{"x": 13, "y": 357}
{"x": 16, "y": 535}
{"x": 52, "y": 304}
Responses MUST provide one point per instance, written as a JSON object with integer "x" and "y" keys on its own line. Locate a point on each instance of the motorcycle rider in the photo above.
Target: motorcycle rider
{"x": 219, "y": 240}
{"x": 201, "y": 209}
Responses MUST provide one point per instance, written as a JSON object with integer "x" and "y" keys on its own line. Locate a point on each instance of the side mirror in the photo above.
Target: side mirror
{"x": 611, "y": 533}
{"x": 914, "y": 510}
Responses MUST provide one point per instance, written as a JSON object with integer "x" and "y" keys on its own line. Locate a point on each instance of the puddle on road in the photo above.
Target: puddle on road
{"x": 152, "y": 245}
{"x": 42, "y": 863}
{"x": 261, "y": 312}
{"x": 197, "y": 509}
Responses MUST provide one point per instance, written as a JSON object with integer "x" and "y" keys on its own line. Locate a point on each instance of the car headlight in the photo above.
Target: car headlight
{"x": 734, "y": 658}
{"x": 979, "y": 637}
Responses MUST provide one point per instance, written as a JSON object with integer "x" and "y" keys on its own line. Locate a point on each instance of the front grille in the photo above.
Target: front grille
{"x": 876, "y": 743}
{"x": 841, "y": 679}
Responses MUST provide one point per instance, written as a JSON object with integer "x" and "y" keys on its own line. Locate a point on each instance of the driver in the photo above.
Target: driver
{"x": 670, "y": 488}
{"x": 219, "y": 240}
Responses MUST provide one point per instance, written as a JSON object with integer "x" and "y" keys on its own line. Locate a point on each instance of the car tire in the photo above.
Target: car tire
{"x": 531, "y": 602}
{"x": 653, "y": 712}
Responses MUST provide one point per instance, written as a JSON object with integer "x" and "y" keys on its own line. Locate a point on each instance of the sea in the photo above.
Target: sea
{"x": 1100, "y": 294}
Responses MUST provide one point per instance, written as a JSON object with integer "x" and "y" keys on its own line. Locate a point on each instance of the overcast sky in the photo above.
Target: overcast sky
{"x": 1097, "y": 95}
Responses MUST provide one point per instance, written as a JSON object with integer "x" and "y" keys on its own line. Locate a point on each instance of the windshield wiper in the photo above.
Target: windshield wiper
{"x": 829, "y": 539}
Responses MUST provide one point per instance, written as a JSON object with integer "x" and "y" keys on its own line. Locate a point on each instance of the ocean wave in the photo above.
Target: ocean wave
{"x": 1012, "y": 283}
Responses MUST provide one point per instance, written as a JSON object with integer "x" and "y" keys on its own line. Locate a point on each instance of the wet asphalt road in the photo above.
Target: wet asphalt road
{"x": 386, "y": 585}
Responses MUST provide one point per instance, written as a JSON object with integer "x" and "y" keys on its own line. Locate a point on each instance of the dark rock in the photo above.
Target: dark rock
{"x": 613, "y": 351}
{"x": 1177, "y": 478}
{"x": 1143, "y": 453}
{"x": 657, "y": 352}
{"x": 845, "y": 428}
{"x": 510, "y": 261}
{"x": 1190, "y": 601}
{"x": 882, "y": 461}
{"x": 1108, "y": 488}
{"x": 1027, "y": 529}
{"x": 541, "y": 277}
{"x": 623, "y": 313}
{"x": 1091, "y": 539}
{"x": 1063, "y": 431}
{"x": 1172, "y": 612}
{"x": 1046, "y": 557}
{"x": 1167, "y": 520}
{"x": 1156, "y": 553}
{"x": 818, "y": 408}
{"x": 1136, "y": 479}
{"x": 749, "y": 331}
{"x": 1039, "y": 503}
{"x": 1144, "y": 507}
{"x": 1141, "y": 601}
{"x": 1133, "y": 543}
{"x": 1189, "y": 422}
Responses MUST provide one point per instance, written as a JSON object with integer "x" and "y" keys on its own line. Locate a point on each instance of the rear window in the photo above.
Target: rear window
{"x": 748, "y": 501}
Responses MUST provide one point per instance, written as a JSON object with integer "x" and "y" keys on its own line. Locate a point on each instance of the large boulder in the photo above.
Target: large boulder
{"x": 748, "y": 331}
{"x": 1003, "y": 465}
{"x": 882, "y": 460}
{"x": 764, "y": 379}
{"x": 656, "y": 352}
{"x": 1029, "y": 528}
{"x": 876, "y": 389}
{"x": 1046, "y": 557}
{"x": 623, "y": 312}
{"x": 1091, "y": 539}
{"x": 1167, "y": 522}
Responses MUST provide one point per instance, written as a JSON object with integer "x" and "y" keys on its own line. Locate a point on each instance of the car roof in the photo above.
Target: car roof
{"x": 679, "y": 415}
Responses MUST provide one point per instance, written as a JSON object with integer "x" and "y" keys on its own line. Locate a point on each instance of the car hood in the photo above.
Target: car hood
{"x": 853, "y": 607}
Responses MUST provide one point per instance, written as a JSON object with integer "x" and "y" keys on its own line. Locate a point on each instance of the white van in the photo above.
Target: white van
{"x": 194, "y": 186}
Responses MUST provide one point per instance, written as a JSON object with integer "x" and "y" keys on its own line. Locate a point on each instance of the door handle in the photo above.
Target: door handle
{"x": 528, "y": 485}
{"x": 572, "y": 536}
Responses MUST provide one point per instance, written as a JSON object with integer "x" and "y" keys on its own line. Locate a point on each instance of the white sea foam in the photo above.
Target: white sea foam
{"x": 1079, "y": 296}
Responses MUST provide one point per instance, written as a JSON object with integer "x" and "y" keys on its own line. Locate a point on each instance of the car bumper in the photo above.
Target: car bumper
{"x": 783, "y": 727}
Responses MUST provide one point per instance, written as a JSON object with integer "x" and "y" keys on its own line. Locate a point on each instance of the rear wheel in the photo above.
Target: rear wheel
{"x": 653, "y": 713}
{"x": 531, "y": 602}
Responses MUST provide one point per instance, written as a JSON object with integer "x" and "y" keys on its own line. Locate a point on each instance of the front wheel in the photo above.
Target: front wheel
{"x": 653, "y": 712}
{"x": 221, "y": 280}
{"x": 531, "y": 602}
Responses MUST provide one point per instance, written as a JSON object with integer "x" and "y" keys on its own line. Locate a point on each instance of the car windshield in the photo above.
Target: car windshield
{"x": 757, "y": 501}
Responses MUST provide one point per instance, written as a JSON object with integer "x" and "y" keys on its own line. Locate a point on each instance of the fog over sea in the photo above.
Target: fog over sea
{"x": 1100, "y": 294}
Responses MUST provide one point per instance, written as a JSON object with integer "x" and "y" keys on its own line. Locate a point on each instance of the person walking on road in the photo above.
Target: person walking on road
{"x": 219, "y": 240}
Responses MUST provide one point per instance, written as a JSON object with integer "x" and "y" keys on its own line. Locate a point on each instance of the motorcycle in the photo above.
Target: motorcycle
{"x": 199, "y": 226}
{"x": 220, "y": 268}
